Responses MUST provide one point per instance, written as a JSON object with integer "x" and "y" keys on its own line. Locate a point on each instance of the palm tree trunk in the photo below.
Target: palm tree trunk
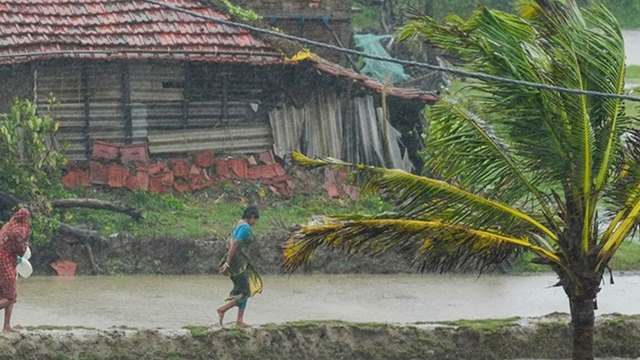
{"x": 582, "y": 321}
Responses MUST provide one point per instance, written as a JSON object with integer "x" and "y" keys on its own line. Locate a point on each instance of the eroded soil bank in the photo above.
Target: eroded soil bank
{"x": 548, "y": 337}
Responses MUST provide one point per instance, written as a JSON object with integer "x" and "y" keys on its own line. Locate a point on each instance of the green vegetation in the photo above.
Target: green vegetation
{"x": 627, "y": 259}
{"x": 30, "y": 163}
{"x": 488, "y": 325}
{"x": 197, "y": 330}
{"x": 199, "y": 216}
{"x": 368, "y": 18}
{"x": 240, "y": 12}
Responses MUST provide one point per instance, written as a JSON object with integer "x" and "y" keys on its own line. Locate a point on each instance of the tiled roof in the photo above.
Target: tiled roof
{"x": 44, "y": 29}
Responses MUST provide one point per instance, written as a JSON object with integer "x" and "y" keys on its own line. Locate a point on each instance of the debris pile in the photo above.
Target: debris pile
{"x": 129, "y": 166}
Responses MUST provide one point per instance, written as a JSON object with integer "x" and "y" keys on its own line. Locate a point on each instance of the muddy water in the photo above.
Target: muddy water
{"x": 632, "y": 44}
{"x": 172, "y": 302}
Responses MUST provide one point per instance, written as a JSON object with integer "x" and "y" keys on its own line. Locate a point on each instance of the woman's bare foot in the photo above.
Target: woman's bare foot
{"x": 7, "y": 330}
{"x": 242, "y": 325}
{"x": 220, "y": 317}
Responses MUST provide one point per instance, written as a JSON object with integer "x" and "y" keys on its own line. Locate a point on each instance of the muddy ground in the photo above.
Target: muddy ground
{"x": 126, "y": 255}
{"x": 547, "y": 337}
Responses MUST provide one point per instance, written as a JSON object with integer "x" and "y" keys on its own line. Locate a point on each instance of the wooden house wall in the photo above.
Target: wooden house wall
{"x": 175, "y": 107}
{"x": 219, "y": 107}
{"x": 17, "y": 82}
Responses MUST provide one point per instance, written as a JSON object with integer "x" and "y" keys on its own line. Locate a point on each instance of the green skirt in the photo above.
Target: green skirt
{"x": 245, "y": 284}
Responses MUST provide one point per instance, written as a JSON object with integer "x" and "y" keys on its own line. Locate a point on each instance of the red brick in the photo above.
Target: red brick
{"x": 266, "y": 158}
{"x": 239, "y": 167}
{"x": 103, "y": 150}
{"x": 139, "y": 181}
{"x": 64, "y": 267}
{"x": 180, "y": 168}
{"x": 332, "y": 190}
{"x": 223, "y": 169}
{"x": 98, "y": 173}
{"x": 76, "y": 178}
{"x": 117, "y": 175}
{"x": 204, "y": 159}
{"x": 279, "y": 170}
{"x": 134, "y": 153}
{"x": 195, "y": 171}
{"x": 156, "y": 185}
{"x": 168, "y": 179}
{"x": 253, "y": 173}
{"x": 157, "y": 168}
{"x": 266, "y": 172}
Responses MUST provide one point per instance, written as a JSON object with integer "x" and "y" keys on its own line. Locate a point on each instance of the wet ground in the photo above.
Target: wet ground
{"x": 173, "y": 302}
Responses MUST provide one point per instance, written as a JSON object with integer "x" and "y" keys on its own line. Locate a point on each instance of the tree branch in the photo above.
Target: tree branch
{"x": 96, "y": 204}
{"x": 84, "y": 235}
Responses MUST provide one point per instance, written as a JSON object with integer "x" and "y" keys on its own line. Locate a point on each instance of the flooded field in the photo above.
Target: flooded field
{"x": 172, "y": 302}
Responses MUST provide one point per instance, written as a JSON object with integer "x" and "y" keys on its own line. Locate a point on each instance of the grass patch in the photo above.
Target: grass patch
{"x": 483, "y": 325}
{"x": 195, "y": 216}
{"x": 626, "y": 259}
{"x": 633, "y": 73}
{"x": 197, "y": 330}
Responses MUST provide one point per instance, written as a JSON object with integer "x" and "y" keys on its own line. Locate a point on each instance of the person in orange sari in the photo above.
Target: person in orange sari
{"x": 14, "y": 237}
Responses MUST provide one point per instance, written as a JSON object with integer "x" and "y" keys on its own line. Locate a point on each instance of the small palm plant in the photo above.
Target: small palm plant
{"x": 513, "y": 168}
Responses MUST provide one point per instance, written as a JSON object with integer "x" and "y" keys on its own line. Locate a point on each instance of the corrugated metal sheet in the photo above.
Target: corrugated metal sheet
{"x": 248, "y": 139}
{"x": 317, "y": 130}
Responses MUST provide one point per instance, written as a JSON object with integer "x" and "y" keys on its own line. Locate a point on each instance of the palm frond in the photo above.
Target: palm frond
{"x": 433, "y": 245}
{"x": 502, "y": 44}
{"x": 419, "y": 197}
{"x": 624, "y": 197}
{"x": 462, "y": 146}
{"x": 620, "y": 230}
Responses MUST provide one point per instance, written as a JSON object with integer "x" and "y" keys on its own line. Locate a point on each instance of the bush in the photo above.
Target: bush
{"x": 31, "y": 163}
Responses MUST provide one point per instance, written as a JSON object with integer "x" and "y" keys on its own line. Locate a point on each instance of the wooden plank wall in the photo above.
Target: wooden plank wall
{"x": 60, "y": 85}
{"x": 125, "y": 102}
{"x": 217, "y": 101}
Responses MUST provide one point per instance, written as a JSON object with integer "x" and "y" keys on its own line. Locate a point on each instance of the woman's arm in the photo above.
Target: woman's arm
{"x": 233, "y": 249}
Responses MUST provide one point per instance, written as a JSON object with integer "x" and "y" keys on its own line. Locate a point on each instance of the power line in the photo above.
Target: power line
{"x": 464, "y": 73}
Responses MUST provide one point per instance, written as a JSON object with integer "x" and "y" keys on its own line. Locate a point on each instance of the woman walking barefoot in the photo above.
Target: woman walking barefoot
{"x": 237, "y": 265}
{"x": 13, "y": 243}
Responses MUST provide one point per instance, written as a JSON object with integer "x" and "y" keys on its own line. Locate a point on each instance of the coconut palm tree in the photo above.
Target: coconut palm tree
{"x": 512, "y": 169}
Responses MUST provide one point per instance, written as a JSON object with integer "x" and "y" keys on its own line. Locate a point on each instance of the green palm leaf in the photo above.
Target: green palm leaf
{"x": 465, "y": 148}
{"x": 434, "y": 245}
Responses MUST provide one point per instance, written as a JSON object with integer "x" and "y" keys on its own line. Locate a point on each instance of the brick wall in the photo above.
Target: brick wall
{"x": 305, "y": 18}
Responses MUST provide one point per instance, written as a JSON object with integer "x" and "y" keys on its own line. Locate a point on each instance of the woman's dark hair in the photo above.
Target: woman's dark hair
{"x": 251, "y": 212}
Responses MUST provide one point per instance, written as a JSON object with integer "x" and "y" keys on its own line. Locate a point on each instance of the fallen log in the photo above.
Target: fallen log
{"x": 98, "y": 205}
